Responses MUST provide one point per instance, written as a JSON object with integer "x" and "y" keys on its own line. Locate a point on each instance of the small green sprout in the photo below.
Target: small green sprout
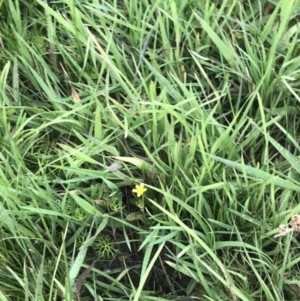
{"x": 105, "y": 247}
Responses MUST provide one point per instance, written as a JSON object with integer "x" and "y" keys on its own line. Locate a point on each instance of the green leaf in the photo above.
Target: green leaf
{"x": 257, "y": 173}
{"x": 85, "y": 205}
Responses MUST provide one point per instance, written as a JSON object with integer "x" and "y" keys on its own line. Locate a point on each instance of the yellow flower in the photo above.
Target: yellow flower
{"x": 139, "y": 189}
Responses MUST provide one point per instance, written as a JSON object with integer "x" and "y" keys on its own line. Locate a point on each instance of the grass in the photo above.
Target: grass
{"x": 198, "y": 101}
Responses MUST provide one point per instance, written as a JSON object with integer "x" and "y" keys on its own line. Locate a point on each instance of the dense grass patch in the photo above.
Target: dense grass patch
{"x": 149, "y": 150}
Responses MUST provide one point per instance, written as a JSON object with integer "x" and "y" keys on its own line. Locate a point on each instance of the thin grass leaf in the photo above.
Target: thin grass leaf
{"x": 257, "y": 173}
